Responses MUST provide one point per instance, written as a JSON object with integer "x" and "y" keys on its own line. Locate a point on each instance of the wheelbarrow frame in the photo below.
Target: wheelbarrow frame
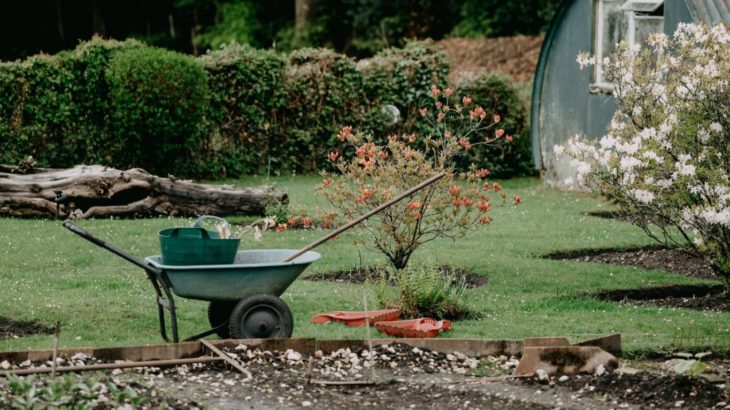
{"x": 160, "y": 282}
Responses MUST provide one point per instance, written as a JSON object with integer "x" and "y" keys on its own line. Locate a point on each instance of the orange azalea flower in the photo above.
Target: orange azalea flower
{"x": 417, "y": 216}
{"x": 413, "y": 205}
{"x": 465, "y": 143}
{"x": 454, "y": 190}
{"x": 412, "y": 138}
{"x": 497, "y": 118}
{"x": 383, "y": 154}
{"x": 516, "y": 200}
{"x": 499, "y": 133}
{"x": 409, "y": 154}
{"x": 439, "y": 104}
{"x": 306, "y": 221}
{"x": 366, "y": 194}
{"x": 484, "y": 220}
{"x": 435, "y": 91}
{"x": 497, "y": 187}
{"x": 484, "y": 206}
{"x": 448, "y": 92}
{"x": 392, "y": 138}
{"x": 477, "y": 113}
{"x": 467, "y": 202}
{"x": 423, "y": 112}
{"x": 508, "y": 139}
{"x": 486, "y": 186}
{"x": 441, "y": 116}
{"x": 292, "y": 221}
{"x": 457, "y": 202}
{"x": 344, "y": 133}
{"x": 482, "y": 173}
{"x": 280, "y": 227}
{"x": 332, "y": 156}
{"x": 327, "y": 182}
{"x": 466, "y": 101}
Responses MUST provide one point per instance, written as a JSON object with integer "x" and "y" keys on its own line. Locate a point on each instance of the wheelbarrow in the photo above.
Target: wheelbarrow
{"x": 243, "y": 297}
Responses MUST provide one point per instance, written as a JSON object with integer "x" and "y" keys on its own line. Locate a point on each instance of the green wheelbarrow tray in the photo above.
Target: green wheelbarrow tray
{"x": 253, "y": 271}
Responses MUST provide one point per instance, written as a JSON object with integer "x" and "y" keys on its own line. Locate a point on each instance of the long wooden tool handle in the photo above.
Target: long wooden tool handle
{"x": 365, "y": 217}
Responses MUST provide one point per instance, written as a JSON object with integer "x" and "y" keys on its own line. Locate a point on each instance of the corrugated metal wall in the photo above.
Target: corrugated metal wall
{"x": 562, "y": 105}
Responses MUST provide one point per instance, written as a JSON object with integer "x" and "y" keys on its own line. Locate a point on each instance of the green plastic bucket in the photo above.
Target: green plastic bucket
{"x": 197, "y": 245}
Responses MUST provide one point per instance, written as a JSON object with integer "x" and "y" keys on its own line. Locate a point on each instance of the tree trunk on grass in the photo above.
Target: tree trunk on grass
{"x": 98, "y": 191}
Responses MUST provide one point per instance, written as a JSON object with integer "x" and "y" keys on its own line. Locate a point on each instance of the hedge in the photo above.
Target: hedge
{"x": 158, "y": 100}
{"x": 236, "y": 110}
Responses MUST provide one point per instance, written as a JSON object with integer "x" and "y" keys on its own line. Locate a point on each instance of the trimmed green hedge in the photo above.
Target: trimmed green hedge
{"x": 245, "y": 101}
{"x": 158, "y": 100}
{"x": 236, "y": 110}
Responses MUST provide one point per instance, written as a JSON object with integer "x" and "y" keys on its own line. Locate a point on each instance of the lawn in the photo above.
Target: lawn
{"x": 48, "y": 275}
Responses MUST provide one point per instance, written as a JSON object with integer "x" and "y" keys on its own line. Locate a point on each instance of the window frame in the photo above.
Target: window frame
{"x": 598, "y": 83}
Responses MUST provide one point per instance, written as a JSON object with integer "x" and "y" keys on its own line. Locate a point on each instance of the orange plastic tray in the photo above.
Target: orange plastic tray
{"x": 356, "y": 319}
{"x": 422, "y": 327}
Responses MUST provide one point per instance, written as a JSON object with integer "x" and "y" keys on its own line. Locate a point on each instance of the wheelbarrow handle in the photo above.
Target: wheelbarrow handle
{"x": 96, "y": 241}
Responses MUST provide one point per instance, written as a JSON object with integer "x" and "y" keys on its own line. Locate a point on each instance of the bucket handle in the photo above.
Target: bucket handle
{"x": 201, "y": 220}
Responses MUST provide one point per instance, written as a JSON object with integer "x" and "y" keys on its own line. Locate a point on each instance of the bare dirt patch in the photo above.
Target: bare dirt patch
{"x": 372, "y": 274}
{"x": 10, "y": 329}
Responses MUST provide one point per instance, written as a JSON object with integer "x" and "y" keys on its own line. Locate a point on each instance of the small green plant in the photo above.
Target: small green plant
{"x": 277, "y": 210}
{"x": 423, "y": 290}
{"x": 67, "y": 392}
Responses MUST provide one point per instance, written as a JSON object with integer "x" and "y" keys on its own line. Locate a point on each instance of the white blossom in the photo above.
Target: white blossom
{"x": 643, "y": 196}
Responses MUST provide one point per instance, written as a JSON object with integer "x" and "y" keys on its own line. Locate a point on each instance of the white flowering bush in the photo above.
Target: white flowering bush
{"x": 665, "y": 158}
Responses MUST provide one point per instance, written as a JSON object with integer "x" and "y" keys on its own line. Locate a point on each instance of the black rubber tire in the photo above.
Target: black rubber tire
{"x": 261, "y": 316}
{"x": 218, "y": 314}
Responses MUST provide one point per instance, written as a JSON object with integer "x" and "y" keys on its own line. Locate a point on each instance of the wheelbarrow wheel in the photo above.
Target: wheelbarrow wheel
{"x": 261, "y": 316}
{"x": 218, "y": 314}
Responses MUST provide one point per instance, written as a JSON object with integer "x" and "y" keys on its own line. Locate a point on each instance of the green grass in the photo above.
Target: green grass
{"x": 49, "y": 274}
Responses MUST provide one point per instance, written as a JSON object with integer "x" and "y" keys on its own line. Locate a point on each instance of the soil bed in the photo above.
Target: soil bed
{"x": 697, "y": 297}
{"x": 399, "y": 376}
{"x": 12, "y": 329}
{"x": 372, "y": 274}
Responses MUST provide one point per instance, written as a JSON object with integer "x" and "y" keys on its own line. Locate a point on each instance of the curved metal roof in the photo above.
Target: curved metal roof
{"x": 709, "y": 11}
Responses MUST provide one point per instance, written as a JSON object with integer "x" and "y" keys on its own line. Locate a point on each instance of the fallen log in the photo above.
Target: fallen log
{"x": 87, "y": 191}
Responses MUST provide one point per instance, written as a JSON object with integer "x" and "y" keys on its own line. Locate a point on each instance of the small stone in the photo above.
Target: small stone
{"x": 318, "y": 354}
{"x": 721, "y": 404}
{"x": 541, "y": 374}
{"x": 241, "y": 347}
{"x": 306, "y": 403}
{"x": 416, "y": 351}
{"x": 5, "y": 365}
{"x": 450, "y": 357}
{"x": 600, "y": 370}
{"x": 25, "y": 363}
{"x": 679, "y": 403}
{"x": 79, "y": 356}
{"x": 563, "y": 378}
{"x": 116, "y": 372}
{"x": 293, "y": 356}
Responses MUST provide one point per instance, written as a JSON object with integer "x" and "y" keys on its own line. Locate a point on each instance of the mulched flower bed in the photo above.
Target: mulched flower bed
{"x": 13, "y": 329}
{"x": 697, "y": 297}
{"x": 372, "y": 274}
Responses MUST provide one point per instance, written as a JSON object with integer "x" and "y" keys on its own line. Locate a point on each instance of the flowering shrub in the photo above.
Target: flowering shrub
{"x": 665, "y": 159}
{"x": 372, "y": 174}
